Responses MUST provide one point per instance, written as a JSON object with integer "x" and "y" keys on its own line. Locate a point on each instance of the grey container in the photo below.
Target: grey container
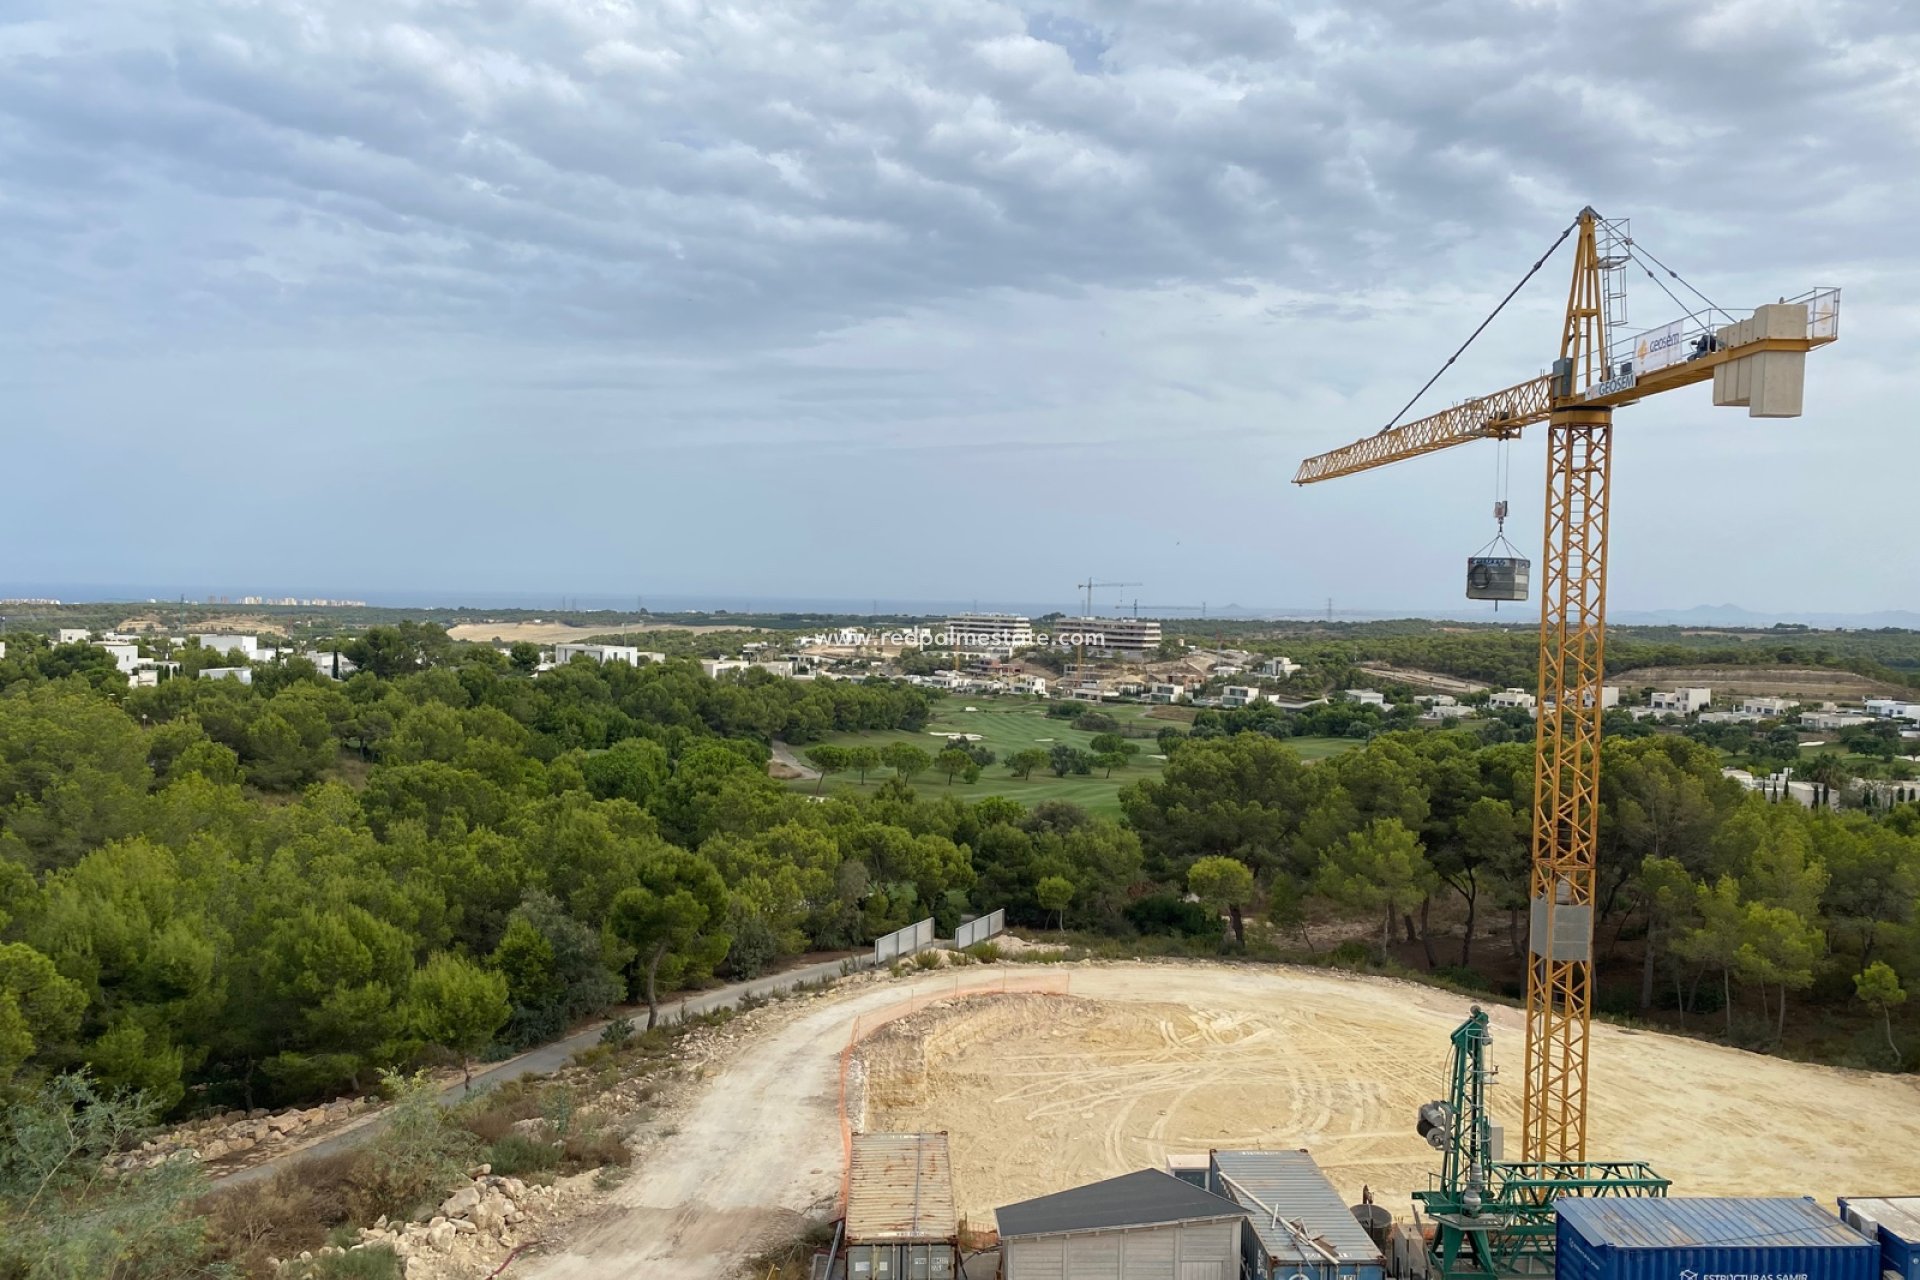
{"x": 1700, "y": 1238}
{"x": 1497, "y": 578}
{"x": 1895, "y": 1222}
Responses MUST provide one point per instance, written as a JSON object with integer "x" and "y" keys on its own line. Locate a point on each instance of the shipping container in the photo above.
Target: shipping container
{"x": 1707, "y": 1238}
{"x": 1895, "y": 1222}
{"x": 1301, "y": 1226}
{"x": 901, "y": 1223}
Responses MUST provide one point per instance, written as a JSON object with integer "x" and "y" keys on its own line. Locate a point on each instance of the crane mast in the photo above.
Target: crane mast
{"x": 1757, "y": 363}
{"x": 1566, "y": 756}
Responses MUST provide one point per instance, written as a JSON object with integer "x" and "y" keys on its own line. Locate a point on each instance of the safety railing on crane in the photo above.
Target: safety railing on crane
{"x": 1696, "y": 334}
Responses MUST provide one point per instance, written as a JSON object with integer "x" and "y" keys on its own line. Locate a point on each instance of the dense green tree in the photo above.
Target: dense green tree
{"x": 1223, "y": 884}
{"x": 457, "y": 1005}
{"x": 906, "y": 760}
{"x": 1878, "y": 987}
{"x": 678, "y": 909}
{"x": 1055, "y": 894}
{"x": 1021, "y": 764}
{"x": 952, "y": 761}
{"x": 1381, "y": 868}
{"x": 862, "y": 759}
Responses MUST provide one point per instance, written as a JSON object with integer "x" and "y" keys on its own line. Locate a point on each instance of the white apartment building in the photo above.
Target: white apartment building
{"x": 125, "y": 656}
{"x": 987, "y": 632}
{"x": 243, "y": 674}
{"x": 1513, "y": 700}
{"x": 1367, "y": 697}
{"x": 72, "y": 635}
{"x": 1828, "y": 721}
{"x": 1277, "y": 668}
{"x": 629, "y": 654}
{"x": 717, "y": 667}
{"x": 1680, "y": 702}
{"x": 1129, "y": 639}
{"x": 1166, "y": 693}
{"x": 1237, "y": 695}
{"x": 245, "y": 647}
{"x": 1893, "y": 709}
{"x": 1440, "y": 712}
{"x": 1764, "y": 708}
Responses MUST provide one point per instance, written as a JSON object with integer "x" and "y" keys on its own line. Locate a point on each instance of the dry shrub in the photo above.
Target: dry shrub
{"x": 591, "y": 1147}
{"x": 282, "y": 1215}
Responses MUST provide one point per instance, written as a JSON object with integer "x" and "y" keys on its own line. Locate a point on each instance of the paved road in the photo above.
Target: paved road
{"x": 545, "y": 1060}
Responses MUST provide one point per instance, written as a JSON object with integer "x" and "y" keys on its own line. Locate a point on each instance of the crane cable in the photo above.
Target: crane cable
{"x": 1531, "y": 271}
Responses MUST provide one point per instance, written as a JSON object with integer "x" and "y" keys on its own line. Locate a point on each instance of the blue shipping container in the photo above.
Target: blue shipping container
{"x": 1701, "y": 1238}
{"x": 1896, "y": 1222}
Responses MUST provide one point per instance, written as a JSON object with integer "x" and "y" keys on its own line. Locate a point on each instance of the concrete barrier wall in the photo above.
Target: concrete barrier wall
{"x": 903, "y": 942}
{"x": 987, "y": 926}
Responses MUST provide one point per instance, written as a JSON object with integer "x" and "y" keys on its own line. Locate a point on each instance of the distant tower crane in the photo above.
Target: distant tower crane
{"x": 1090, "y": 586}
{"x": 1759, "y": 362}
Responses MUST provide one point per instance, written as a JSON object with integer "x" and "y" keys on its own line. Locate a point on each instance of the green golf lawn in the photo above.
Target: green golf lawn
{"x": 1005, "y": 727}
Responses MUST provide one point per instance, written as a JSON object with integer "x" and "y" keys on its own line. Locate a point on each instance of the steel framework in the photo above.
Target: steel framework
{"x": 1576, "y": 400}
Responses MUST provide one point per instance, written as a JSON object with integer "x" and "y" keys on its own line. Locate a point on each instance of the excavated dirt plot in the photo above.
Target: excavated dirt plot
{"x": 1040, "y": 1093}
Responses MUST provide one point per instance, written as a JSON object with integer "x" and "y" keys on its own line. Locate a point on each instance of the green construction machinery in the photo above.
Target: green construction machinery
{"x": 1492, "y": 1219}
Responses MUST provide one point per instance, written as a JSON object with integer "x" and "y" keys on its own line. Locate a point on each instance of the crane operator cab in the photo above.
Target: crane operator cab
{"x": 1498, "y": 571}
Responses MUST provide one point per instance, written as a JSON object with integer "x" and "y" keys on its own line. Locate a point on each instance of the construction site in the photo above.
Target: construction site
{"x": 1220, "y": 1125}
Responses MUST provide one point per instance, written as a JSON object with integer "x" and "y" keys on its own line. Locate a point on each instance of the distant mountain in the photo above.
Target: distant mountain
{"x": 1732, "y": 615}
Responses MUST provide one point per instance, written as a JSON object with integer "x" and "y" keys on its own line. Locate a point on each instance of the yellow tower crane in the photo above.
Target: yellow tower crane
{"x": 1757, "y": 360}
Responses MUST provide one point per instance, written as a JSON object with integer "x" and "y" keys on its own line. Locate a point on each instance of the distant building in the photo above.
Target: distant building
{"x": 330, "y": 663}
{"x": 1367, "y": 697}
{"x": 1893, "y": 709}
{"x": 243, "y": 674}
{"x": 1763, "y": 708}
{"x": 1513, "y": 700}
{"x": 717, "y": 667}
{"x": 1278, "y": 668}
{"x": 629, "y": 654}
{"x": 72, "y": 635}
{"x": 125, "y": 656}
{"x": 1827, "y": 721}
{"x": 1128, "y": 639}
{"x": 776, "y": 666}
{"x": 1166, "y": 693}
{"x": 247, "y": 647}
{"x": 987, "y": 632}
{"x": 1237, "y": 695}
{"x": 1441, "y": 712}
{"x": 1680, "y": 702}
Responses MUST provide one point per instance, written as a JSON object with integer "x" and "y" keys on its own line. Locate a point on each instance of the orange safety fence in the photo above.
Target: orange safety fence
{"x": 866, "y": 1024}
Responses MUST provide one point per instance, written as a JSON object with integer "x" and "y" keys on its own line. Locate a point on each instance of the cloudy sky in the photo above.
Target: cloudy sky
{"x": 921, "y": 298}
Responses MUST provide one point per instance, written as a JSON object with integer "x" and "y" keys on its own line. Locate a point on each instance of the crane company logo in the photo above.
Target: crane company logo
{"x": 1689, "y": 1275}
{"x": 1743, "y": 1275}
{"x": 1658, "y": 348}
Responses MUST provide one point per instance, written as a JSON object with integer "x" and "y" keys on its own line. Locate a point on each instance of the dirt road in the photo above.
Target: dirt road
{"x": 543, "y": 1060}
{"x": 756, "y": 1156}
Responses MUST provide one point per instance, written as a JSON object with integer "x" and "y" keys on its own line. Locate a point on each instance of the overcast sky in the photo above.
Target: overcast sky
{"x": 924, "y": 298}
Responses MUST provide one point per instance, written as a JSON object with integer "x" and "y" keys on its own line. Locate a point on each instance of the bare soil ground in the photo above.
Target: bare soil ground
{"x": 1784, "y": 682}
{"x": 1421, "y": 679}
{"x": 1040, "y": 1093}
{"x": 560, "y": 632}
{"x": 225, "y": 624}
